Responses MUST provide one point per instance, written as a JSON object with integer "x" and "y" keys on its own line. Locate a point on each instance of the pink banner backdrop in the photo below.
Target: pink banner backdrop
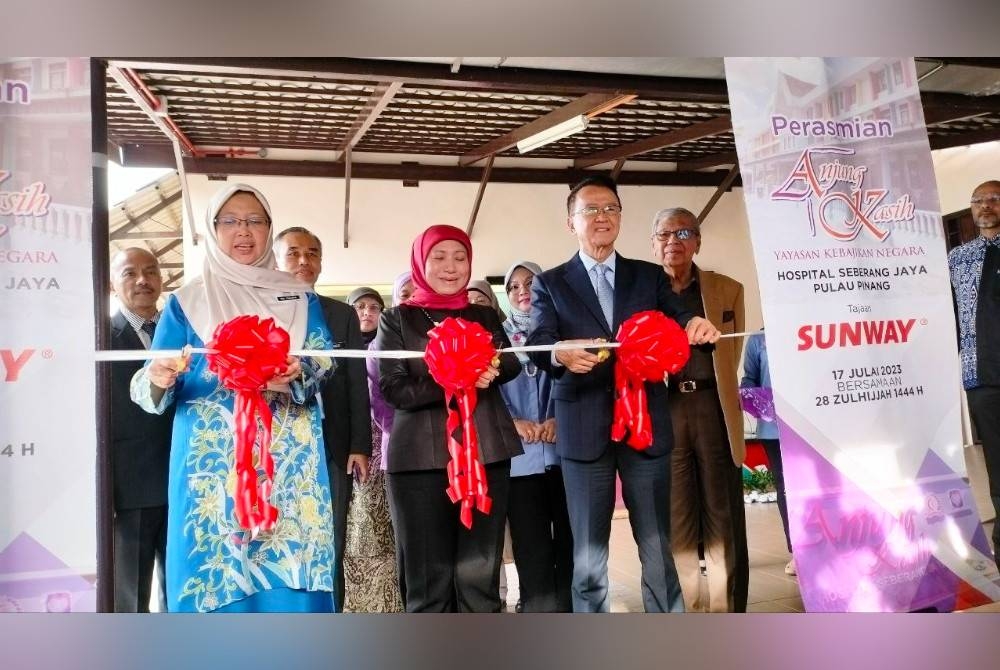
{"x": 847, "y": 235}
{"x": 47, "y": 497}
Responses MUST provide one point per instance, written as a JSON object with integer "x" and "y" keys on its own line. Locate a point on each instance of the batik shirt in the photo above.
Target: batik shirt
{"x": 966, "y": 266}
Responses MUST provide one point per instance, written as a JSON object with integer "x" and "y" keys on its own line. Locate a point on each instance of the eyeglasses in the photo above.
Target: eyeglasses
{"x": 991, "y": 199}
{"x": 682, "y": 235}
{"x": 372, "y": 307}
{"x": 591, "y": 211}
{"x": 251, "y": 221}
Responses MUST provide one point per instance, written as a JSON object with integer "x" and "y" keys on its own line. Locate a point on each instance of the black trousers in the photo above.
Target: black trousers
{"x": 446, "y": 566}
{"x": 773, "y": 450}
{"x": 984, "y": 406}
{"x": 542, "y": 541}
{"x": 342, "y": 487}
{"x": 140, "y": 547}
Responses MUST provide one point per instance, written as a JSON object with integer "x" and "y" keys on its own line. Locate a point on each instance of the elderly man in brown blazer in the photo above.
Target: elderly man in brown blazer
{"x": 707, "y": 485}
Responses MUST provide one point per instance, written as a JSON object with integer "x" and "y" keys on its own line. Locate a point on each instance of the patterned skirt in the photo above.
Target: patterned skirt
{"x": 370, "y": 580}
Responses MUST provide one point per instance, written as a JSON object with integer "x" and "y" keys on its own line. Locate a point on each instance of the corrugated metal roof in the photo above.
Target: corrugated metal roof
{"x": 152, "y": 219}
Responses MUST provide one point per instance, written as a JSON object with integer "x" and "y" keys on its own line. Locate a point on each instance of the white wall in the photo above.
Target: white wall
{"x": 515, "y": 222}
{"x": 961, "y": 169}
{"x": 523, "y": 222}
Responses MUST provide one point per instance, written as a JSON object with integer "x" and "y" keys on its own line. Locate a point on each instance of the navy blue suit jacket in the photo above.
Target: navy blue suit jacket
{"x": 564, "y": 306}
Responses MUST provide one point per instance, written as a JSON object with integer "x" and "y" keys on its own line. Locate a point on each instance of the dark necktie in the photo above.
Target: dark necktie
{"x": 149, "y": 327}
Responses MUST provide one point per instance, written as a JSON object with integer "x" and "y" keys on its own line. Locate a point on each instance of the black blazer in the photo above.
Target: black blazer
{"x": 564, "y": 306}
{"x": 140, "y": 442}
{"x": 418, "y": 437}
{"x": 347, "y": 422}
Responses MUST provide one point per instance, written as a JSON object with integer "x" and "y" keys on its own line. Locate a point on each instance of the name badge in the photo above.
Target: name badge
{"x": 289, "y": 296}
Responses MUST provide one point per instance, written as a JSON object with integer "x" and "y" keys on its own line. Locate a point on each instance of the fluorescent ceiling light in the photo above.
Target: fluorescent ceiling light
{"x": 553, "y": 133}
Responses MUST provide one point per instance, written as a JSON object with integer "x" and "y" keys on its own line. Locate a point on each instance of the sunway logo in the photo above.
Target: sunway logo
{"x": 13, "y": 362}
{"x": 855, "y": 333}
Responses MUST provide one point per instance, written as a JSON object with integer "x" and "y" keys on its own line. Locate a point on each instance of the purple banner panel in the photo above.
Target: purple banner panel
{"x": 846, "y": 229}
{"x": 47, "y": 425}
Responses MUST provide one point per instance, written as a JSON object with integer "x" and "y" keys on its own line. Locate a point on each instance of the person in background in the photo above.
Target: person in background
{"x": 368, "y": 303}
{"x": 539, "y": 523}
{"x": 140, "y": 442}
{"x": 346, "y": 425}
{"x": 370, "y": 552}
{"x": 382, "y": 412}
{"x": 757, "y": 374}
{"x": 447, "y": 567}
{"x": 707, "y": 463}
{"x": 213, "y": 563}
{"x": 975, "y": 279}
{"x": 402, "y": 288}
{"x": 481, "y": 293}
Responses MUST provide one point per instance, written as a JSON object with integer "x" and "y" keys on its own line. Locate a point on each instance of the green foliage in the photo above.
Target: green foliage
{"x": 759, "y": 479}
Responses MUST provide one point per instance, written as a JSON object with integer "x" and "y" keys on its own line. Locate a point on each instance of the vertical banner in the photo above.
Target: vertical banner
{"x": 847, "y": 236}
{"x": 47, "y": 445}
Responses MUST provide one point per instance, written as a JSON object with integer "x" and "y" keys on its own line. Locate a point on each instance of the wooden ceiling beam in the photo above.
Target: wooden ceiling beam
{"x": 451, "y": 173}
{"x": 724, "y": 186}
{"x": 702, "y": 162}
{"x": 227, "y": 110}
{"x": 964, "y": 139}
{"x": 695, "y": 131}
{"x": 171, "y": 278}
{"x": 479, "y": 194}
{"x": 617, "y": 169}
{"x": 506, "y": 79}
{"x": 993, "y": 63}
{"x": 150, "y": 235}
{"x": 134, "y": 220}
{"x": 961, "y": 105}
{"x": 252, "y": 96}
{"x": 379, "y": 100}
{"x": 583, "y": 105}
{"x": 159, "y": 253}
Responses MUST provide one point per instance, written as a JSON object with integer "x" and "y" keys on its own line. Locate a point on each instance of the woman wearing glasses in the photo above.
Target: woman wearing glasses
{"x": 213, "y": 564}
{"x": 481, "y": 293}
{"x": 539, "y": 522}
{"x": 446, "y": 566}
{"x": 370, "y": 580}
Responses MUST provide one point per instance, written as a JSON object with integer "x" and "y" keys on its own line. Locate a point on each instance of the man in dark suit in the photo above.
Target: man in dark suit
{"x": 582, "y": 300}
{"x": 347, "y": 431}
{"x": 140, "y": 442}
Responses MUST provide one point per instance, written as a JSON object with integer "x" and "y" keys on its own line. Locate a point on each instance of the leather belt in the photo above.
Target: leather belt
{"x": 691, "y": 385}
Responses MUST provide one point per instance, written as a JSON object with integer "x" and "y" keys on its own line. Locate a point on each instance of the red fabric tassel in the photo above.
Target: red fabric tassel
{"x": 249, "y": 352}
{"x": 652, "y": 346}
{"x": 458, "y": 352}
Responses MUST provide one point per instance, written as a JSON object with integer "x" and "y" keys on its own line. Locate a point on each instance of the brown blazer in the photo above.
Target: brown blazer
{"x": 722, "y": 297}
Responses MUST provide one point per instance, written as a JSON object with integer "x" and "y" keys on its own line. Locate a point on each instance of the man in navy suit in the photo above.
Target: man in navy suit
{"x": 140, "y": 442}
{"x": 580, "y": 301}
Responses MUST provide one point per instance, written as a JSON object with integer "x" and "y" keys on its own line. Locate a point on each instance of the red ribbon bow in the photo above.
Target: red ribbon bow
{"x": 249, "y": 352}
{"x": 458, "y": 352}
{"x": 652, "y": 345}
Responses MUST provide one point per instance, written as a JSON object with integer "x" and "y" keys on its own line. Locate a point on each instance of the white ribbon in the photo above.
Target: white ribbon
{"x": 146, "y": 355}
